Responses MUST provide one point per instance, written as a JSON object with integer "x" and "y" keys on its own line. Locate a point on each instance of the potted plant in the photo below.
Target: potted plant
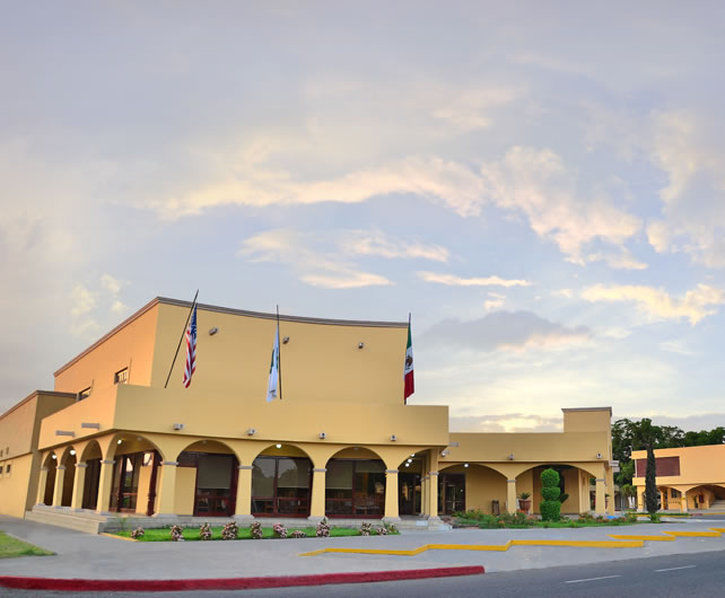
{"x": 525, "y": 502}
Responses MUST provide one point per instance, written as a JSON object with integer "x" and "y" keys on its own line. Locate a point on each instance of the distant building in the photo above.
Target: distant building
{"x": 691, "y": 477}
{"x": 111, "y": 441}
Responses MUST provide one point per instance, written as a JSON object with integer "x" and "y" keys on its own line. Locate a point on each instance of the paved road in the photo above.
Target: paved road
{"x": 697, "y": 574}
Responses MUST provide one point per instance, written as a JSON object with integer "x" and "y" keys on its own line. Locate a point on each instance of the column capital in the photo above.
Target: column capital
{"x": 174, "y": 463}
{"x": 61, "y": 467}
{"x": 320, "y": 470}
{"x": 81, "y": 464}
{"x": 603, "y": 480}
{"x": 244, "y": 467}
{"x": 511, "y": 481}
{"x": 432, "y": 473}
{"x": 391, "y": 471}
{"x": 108, "y": 461}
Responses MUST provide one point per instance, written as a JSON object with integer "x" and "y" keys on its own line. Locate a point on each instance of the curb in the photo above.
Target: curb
{"x": 233, "y": 583}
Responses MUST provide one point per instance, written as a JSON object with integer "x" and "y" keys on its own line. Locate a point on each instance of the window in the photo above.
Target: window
{"x": 121, "y": 377}
{"x": 7, "y": 468}
{"x": 84, "y": 394}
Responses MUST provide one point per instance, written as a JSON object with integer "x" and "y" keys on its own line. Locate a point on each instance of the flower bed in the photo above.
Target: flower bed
{"x": 207, "y": 532}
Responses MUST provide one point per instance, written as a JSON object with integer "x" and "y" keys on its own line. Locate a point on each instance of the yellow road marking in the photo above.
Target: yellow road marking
{"x": 619, "y": 541}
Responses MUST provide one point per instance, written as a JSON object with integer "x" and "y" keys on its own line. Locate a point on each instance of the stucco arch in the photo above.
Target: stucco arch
{"x": 208, "y": 446}
{"x": 282, "y": 449}
{"x": 130, "y": 442}
{"x": 90, "y": 450}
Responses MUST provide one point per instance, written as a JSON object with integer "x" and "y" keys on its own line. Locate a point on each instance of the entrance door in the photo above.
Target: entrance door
{"x": 409, "y": 493}
{"x": 126, "y": 483}
{"x": 451, "y": 493}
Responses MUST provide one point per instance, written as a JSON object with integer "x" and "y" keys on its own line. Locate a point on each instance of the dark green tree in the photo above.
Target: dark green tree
{"x": 550, "y": 507}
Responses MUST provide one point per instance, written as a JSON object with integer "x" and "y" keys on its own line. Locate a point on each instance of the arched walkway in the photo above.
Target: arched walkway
{"x": 410, "y": 485}
{"x": 68, "y": 461}
{"x": 468, "y": 486}
{"x": 206, "y": 480}
{"x": 91, "y": 455}
{"x": 50, "y": 464}
{"x": 281, "y": 482}
{"x": 355, "y": 484}
{"x": 133, "y": 487}
{"x": 576, "y": 493}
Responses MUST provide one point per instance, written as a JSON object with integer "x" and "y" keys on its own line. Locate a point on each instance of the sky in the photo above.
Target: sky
{"x": 541, "y": 184}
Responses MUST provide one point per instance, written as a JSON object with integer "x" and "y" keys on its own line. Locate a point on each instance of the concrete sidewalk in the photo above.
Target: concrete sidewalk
{"x": 82, "y": 555}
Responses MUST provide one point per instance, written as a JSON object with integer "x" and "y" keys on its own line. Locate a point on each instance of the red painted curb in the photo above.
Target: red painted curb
{"x": 232, "y": 583}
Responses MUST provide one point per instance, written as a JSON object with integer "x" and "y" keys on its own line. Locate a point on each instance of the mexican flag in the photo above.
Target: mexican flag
{"x": 408, "y": 369}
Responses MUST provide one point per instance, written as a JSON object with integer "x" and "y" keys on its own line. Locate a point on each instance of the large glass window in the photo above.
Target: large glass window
{"x": 125, "y": 482}
{"x": 281, "y": 486}
{"x": 355, "y": 488}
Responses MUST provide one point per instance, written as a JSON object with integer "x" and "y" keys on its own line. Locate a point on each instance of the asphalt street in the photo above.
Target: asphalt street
{"x": 696, "y": 574}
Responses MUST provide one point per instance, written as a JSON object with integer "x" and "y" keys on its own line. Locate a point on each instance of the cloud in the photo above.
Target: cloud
{"x": 536, "y": 183}
{"x": 657, "y": 304}
{"x": 688, "y": 146}
{"x": 91, "y": 307}
{"x": 530, "y": 181}
{"x": 470, "y": 110}
{"x": 376, "y": 243}
{"x": 314, "y": 268}
{"x": 621, "y": 260}
{"x": 507, "y": 422}
{"x": 457, "y": 281}
{"x": 504, "y": 330}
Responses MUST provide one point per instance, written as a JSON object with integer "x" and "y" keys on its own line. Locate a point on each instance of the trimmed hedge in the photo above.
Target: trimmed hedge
{"x": 550, "y": 507}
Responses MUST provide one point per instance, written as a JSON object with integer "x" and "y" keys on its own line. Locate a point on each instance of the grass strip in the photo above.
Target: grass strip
{"x": 12, "y": 547}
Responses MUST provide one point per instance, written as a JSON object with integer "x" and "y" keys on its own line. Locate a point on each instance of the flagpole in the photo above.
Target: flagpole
{"x": 183, "y": 332}
{"x": 279, "y": 357}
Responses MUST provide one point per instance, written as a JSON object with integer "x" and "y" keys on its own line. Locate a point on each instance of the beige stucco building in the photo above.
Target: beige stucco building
{"x": 687, "y": 478}
{"x": 112, "y": 441}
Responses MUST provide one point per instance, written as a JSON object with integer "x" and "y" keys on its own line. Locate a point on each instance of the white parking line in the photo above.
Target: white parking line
{"x": 592, "y": 579}
{"x": 675, "y": 568}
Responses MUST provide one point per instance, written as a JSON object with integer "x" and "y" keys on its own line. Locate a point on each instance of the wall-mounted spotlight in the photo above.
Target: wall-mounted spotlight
{"x": 361, "y": 345}
{"x": 178, "y": 426}
{"x": 119, "y": 441}
{"x": 251, "y": 432}
{"x": 393, "y": 438}
{"x": 278, "y": 445}
{"x": 465, "y": 465}
{"x": 72, "y": 451}
{"x": 213, "y": 331}
{"x": 511, "y": 457}
{"x": 444, "y": 453}
{"x": 599, "y": 455}
{"x": 323, "y": 435}
{"x": 285, "y": 340}
{"x": 53, "y": 457}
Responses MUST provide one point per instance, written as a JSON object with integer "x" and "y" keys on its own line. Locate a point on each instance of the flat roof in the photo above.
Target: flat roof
{"x": 565, "y": 409}
{"x": 35, "y": 393}
{"x": 228, "y": 310}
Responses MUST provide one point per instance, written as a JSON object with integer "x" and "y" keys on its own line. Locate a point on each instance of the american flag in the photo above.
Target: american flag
{"x": 190, "y": 367}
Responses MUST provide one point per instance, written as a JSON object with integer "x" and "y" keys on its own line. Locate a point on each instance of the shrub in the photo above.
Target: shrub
{"x": 176, "y": 533}
{"x": 205, "y": 531}
{"x": 230, "y": 531}
{"x": 366, "y": 528}
{"x": 655, "y": 518}
{"x": 279, "y": 530}
{"x": 381, "y": 531}
{"x": 255, "y": 530}
{"x": 298, "y": 533}
{"x": 323, "y": 529}
{"x": 550, "y": 507}
{"x": 137, "y": 533}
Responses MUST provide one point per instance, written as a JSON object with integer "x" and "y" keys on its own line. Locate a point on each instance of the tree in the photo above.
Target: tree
{"x": 550, "y": 507}
{"x": 646, "y": 436}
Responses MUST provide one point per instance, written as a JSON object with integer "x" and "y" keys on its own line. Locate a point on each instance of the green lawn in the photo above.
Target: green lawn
{"x": 192, "y": 533}
{"x": 10, "y": 547}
